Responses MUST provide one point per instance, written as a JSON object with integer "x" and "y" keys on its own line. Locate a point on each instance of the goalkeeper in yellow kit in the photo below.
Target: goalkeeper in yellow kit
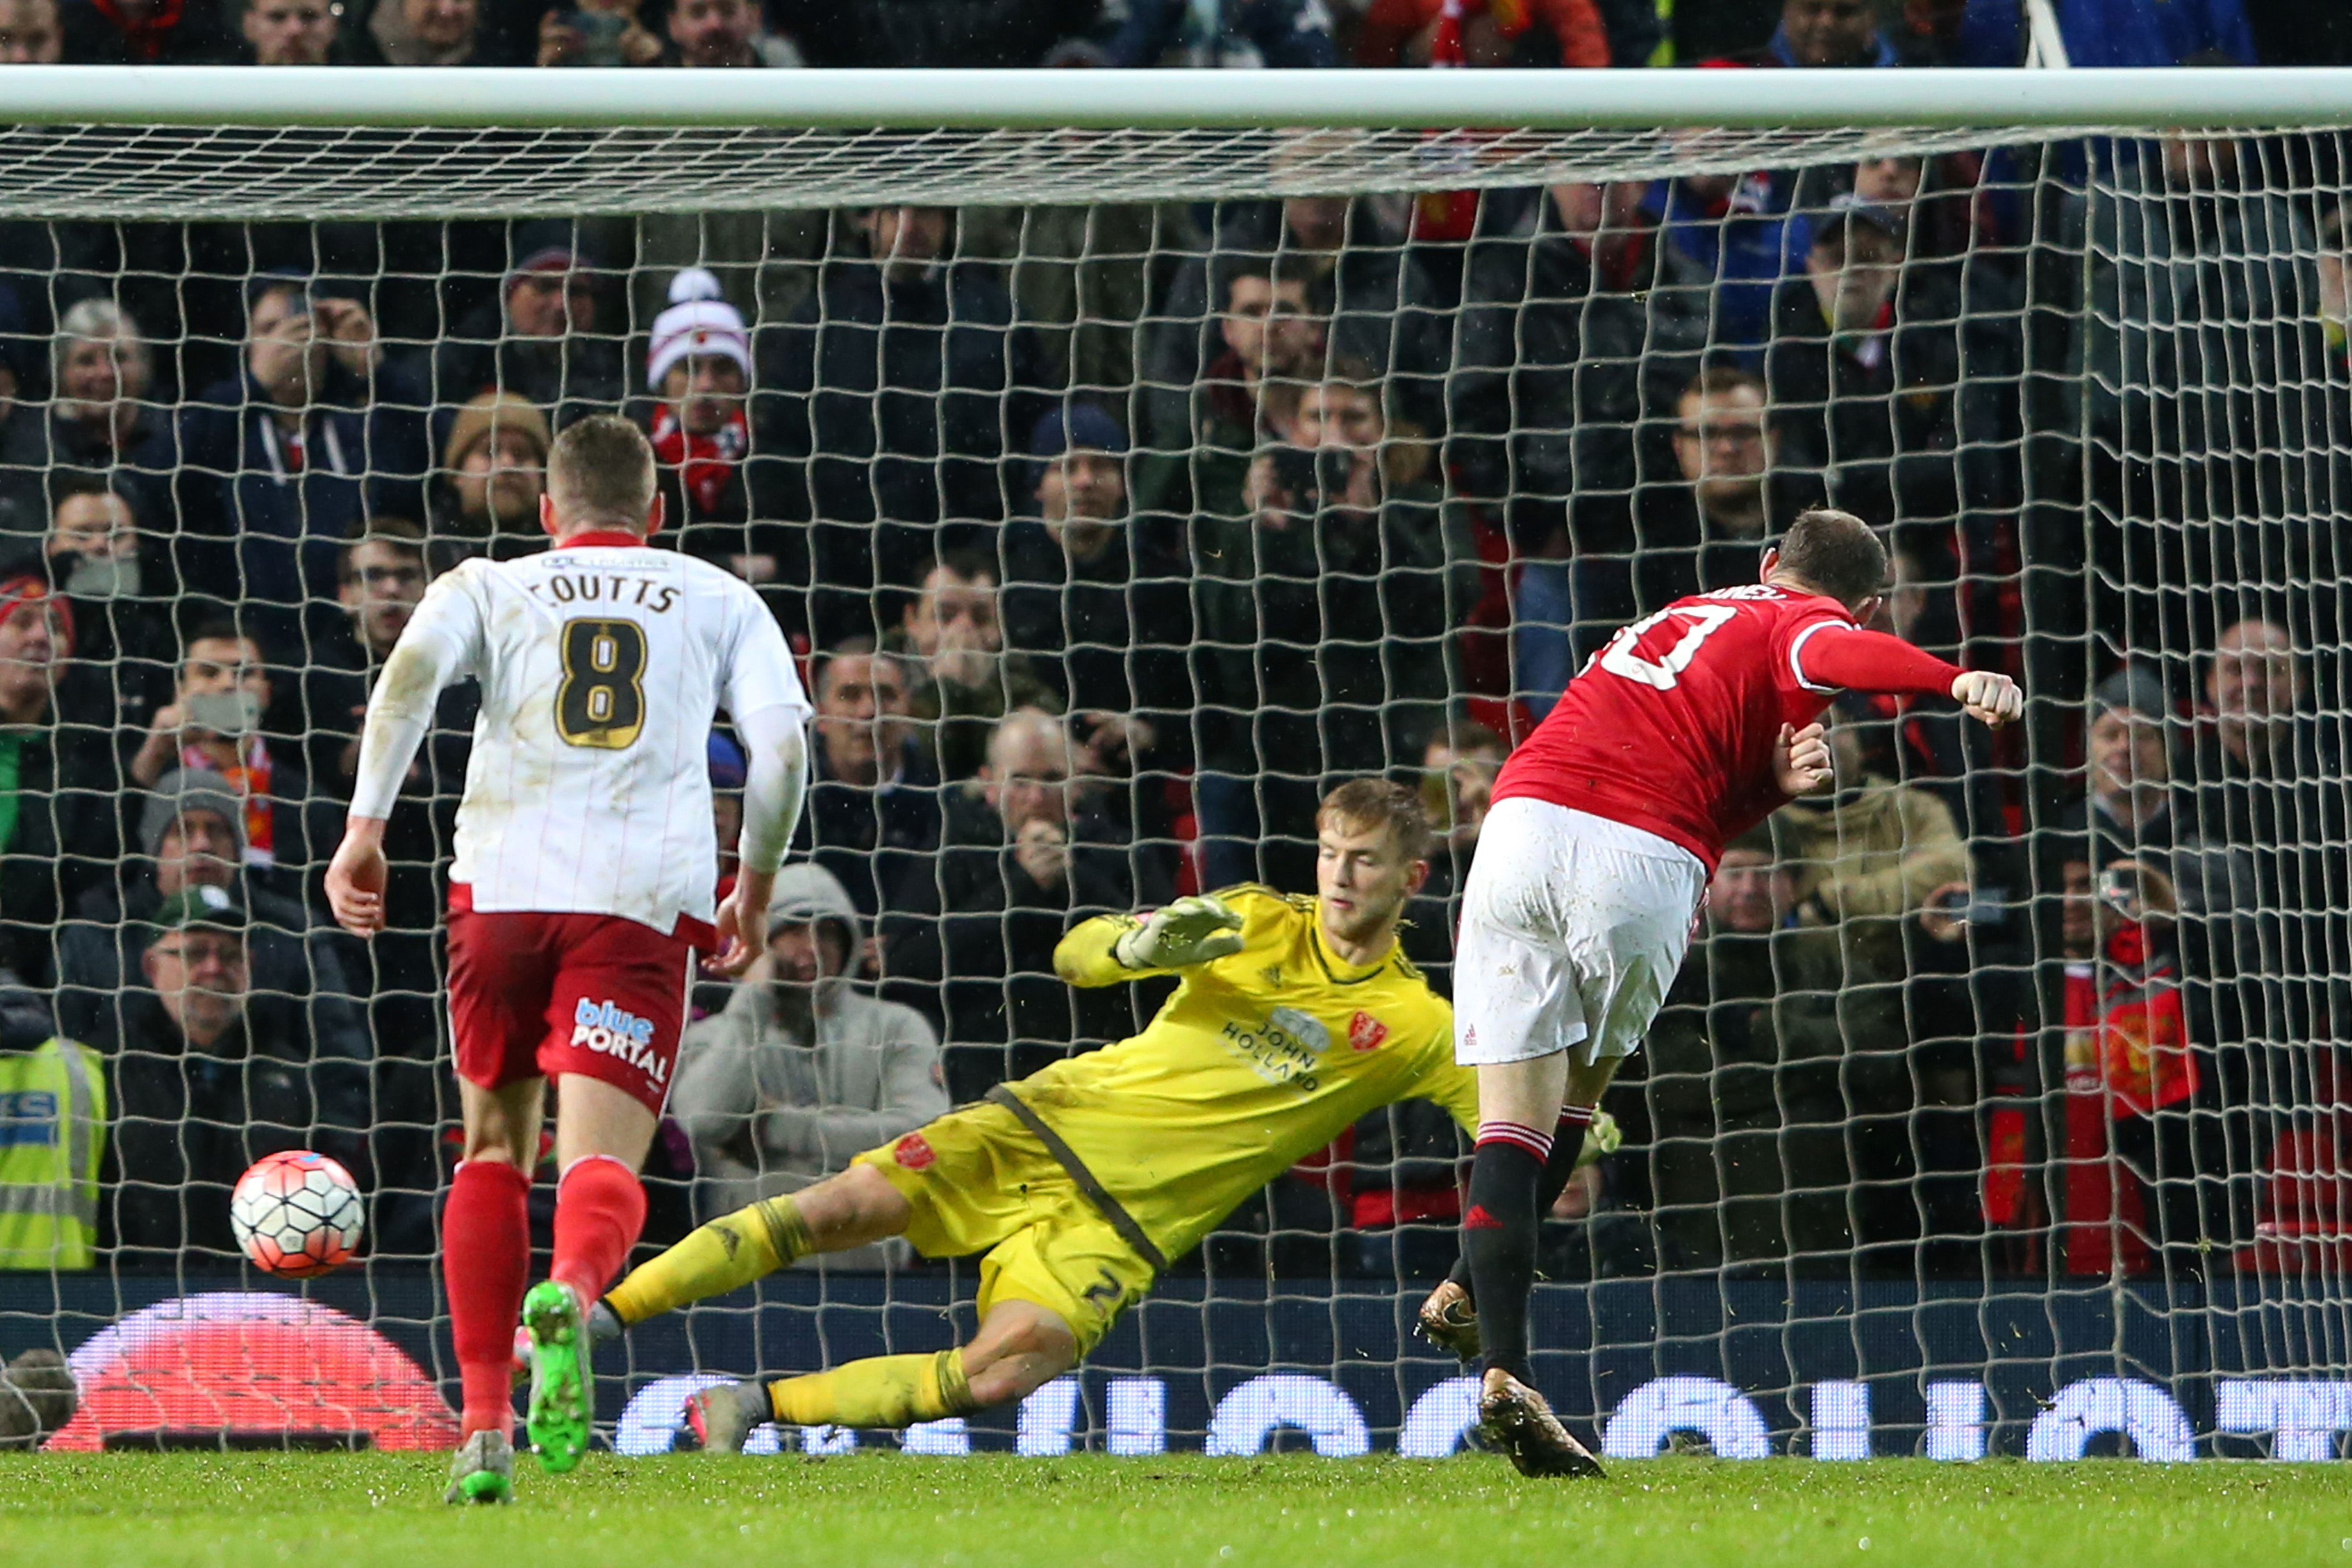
{"x": 1295, "y": 1017}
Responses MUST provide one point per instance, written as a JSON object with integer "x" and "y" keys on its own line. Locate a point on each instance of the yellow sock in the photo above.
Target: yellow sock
{"x": 884, "y": 1391}
{"x": 730, "y": 1252}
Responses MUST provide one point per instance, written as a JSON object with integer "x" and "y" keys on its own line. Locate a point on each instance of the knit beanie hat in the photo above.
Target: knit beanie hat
{"x": 487, "y": 412}
{"x": 698, "y": 323}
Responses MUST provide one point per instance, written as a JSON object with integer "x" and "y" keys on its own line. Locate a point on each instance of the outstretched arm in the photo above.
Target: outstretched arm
{"x": 1109, "y": 950}
{"x": 1828, "y": 657}
{"x": 1085, "y": 955}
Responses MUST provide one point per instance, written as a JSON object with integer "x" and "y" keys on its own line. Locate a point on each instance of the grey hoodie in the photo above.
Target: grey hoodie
{"x": 770, "y": 1110}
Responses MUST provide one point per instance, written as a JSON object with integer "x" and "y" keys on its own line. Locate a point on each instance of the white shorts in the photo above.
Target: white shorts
{"x": 1572, "y": 927}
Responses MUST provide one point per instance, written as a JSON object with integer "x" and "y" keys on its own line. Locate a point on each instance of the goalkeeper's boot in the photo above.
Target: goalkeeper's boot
{"x": 562, "y": 1389}
{"x": 604, "y": 1324}
{"x": 1449, "y": 1319}
{"x": 483, "y": 1470}
{"x": 718, "y": 1419}
{"x": 1515, "y": 1418}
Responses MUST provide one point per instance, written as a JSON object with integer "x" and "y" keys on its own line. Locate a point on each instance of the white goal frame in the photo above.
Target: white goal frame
{"x": 301, "y": 143}
{"x": 2240, "y": 97}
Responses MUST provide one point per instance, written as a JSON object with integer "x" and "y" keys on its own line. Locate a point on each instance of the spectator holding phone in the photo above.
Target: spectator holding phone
{"x": 1326, "y": 612}
{"x": 214, "y": 722}
{"x": 596, "y": 33}
{"x": 275, "y": 464}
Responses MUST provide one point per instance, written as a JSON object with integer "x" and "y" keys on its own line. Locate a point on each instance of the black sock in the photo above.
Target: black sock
{"x": 1498, "y": 1243}
{"x": 1568, "y": 1143}
{"x": 1460, "y": 1275}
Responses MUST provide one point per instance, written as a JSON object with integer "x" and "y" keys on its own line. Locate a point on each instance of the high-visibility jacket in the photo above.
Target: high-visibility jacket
{"x": 52, "y": 1137}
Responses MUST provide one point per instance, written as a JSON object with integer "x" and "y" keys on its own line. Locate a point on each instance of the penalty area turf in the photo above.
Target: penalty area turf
{"x": 359, "y": 1510}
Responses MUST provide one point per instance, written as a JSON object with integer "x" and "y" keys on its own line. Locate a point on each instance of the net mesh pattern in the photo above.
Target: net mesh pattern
{"x": 244, "y": 172}
{"x": 2004, "y": 1079}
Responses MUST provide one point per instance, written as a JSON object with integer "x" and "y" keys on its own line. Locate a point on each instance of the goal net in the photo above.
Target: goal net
{"x": 1130, "y": 460}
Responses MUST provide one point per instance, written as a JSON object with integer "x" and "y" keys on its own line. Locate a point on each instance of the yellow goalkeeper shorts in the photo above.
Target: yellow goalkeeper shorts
{"x": 981, "y": 1181}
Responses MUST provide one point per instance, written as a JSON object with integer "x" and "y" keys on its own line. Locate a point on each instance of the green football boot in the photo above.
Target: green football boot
{"x": 563, "y": 1388}
{"x": 483, "y": 1470}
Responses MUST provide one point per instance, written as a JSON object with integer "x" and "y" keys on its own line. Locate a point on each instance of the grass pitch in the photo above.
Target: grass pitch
{"x": 361, "y": 1510}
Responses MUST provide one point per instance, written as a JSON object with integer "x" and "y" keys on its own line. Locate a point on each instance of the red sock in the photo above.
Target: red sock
{"x": 485, "y": 1262}
{"x": 600, "y": 1207}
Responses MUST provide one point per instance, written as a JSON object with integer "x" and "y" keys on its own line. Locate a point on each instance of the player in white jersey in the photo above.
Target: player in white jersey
{"x": 582, "y": 887}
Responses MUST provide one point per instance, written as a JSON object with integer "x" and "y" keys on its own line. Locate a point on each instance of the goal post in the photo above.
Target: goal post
{"x": 1262, "y": 428}
{"x": 1996, "y": 101}
{"x": 225, "y": 142}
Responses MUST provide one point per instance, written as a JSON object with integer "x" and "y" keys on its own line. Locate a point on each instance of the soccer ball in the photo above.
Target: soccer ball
{"x": 297, "y": 1214}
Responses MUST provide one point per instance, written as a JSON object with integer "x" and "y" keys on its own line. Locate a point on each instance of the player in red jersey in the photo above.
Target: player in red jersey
{"x": 1686, "y": 730}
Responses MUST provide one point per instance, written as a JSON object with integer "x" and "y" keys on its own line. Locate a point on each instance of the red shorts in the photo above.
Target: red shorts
{"x": 536, "y": 994}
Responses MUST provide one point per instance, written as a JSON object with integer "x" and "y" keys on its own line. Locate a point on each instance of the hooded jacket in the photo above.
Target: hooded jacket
{"x": 1875, "y": 851}
{"x": 771, "y": 1109}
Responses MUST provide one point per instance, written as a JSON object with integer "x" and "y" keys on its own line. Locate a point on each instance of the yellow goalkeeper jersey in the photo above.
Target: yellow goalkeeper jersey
{"x": 1260, "y": 1058}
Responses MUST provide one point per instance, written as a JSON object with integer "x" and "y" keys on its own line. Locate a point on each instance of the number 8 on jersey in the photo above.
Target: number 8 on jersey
{"x": 602, "y": 702}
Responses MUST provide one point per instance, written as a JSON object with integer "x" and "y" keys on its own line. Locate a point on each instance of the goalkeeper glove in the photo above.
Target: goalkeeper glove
{"x": 1190, "y": 930}
{"x": 1601, "y": 1136}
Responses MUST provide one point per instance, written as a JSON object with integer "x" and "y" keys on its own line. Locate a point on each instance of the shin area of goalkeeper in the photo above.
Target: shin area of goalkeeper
{"x": 1295, "y": 1016}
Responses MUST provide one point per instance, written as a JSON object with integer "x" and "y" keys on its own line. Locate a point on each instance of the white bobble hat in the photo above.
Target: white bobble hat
{"x": 698, "y": 323}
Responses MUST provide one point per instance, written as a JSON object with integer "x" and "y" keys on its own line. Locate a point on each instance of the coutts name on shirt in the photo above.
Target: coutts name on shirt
{"x": 605, "y": 588}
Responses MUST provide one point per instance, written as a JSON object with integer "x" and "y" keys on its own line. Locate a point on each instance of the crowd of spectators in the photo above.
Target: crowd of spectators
{"x": 1289, "y": 33}
{"x": 1110, "y": 544}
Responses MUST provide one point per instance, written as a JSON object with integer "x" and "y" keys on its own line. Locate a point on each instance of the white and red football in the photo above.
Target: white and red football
{"x": 297, "y": 1214}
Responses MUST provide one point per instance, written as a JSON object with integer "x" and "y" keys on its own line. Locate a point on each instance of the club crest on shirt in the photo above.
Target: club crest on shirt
{"x": 1365, "y": 1032}
{"x": 912, "y": 1152}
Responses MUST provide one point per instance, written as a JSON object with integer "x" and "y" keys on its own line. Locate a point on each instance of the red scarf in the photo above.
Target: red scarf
{"x": 2143, "y": 1040}
{"x": 705, "y": 463}
{"x": 252, "y": 778}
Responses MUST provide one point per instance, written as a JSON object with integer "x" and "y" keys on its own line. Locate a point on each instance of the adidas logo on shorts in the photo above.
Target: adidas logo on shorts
{"x": 617, "y": 1032}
